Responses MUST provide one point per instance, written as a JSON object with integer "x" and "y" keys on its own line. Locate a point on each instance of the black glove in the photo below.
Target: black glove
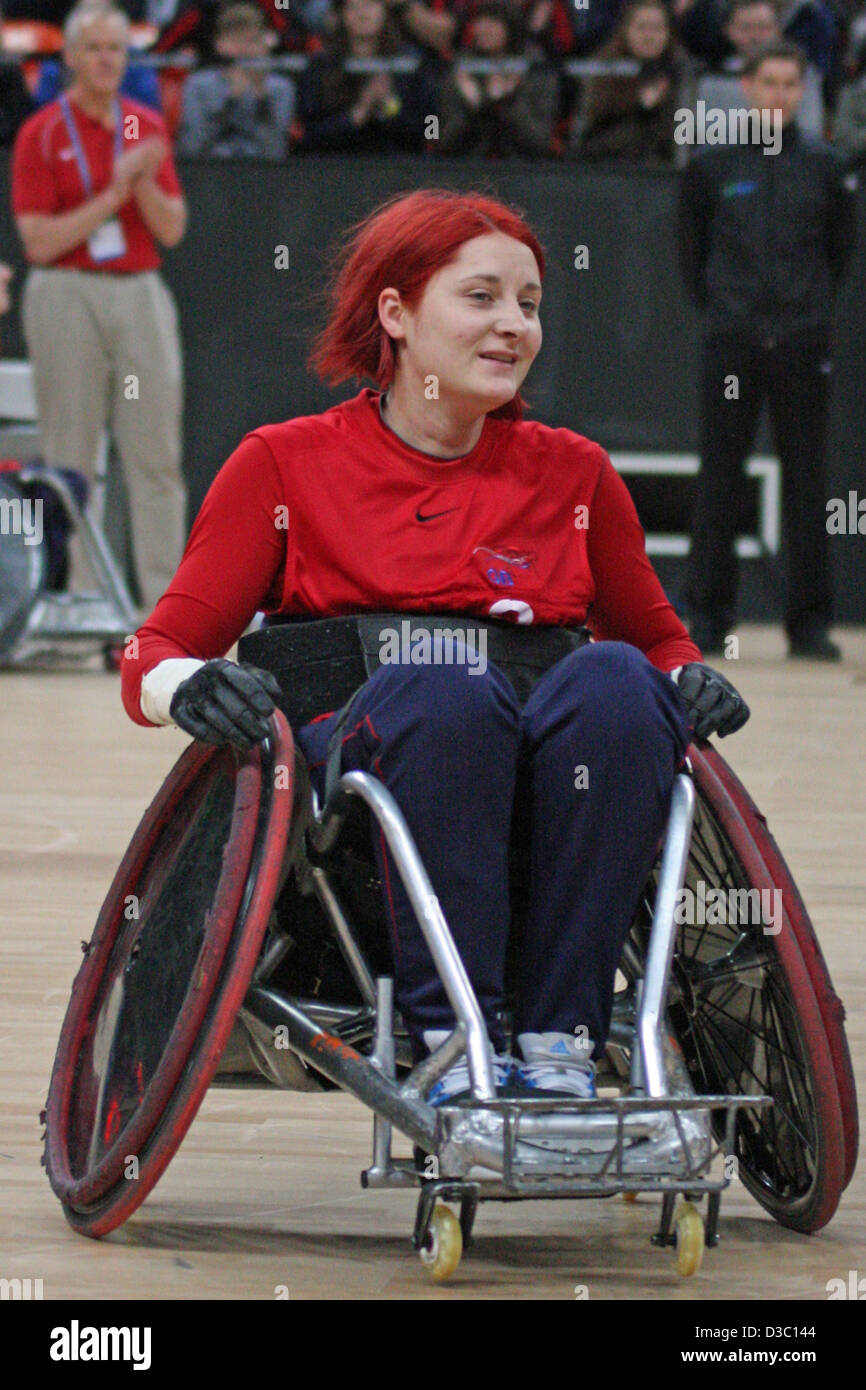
{"x": 712, "y": 703}
{"x": 222, "y": 702}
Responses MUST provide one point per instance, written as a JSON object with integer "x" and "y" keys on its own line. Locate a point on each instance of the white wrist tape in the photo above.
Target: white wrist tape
{"x": 675, "y": 674}
{"x": 159, "y": 685}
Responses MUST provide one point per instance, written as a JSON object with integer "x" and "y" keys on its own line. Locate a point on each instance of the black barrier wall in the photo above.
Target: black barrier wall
{"x": 620, "y": 355}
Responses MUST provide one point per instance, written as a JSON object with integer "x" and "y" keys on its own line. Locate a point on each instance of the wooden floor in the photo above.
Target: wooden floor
{"x": 264, "y": 1191}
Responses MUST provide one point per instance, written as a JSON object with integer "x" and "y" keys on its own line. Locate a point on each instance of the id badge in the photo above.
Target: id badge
{"x": 107, "y": 243}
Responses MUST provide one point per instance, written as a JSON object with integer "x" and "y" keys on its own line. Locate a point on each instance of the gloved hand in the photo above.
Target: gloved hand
{"x": 712, "y": 703}
{"x": 223, "y": 702}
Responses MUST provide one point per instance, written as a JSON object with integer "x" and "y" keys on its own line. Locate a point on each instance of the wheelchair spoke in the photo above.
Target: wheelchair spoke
{"x": 760, "y": 1035}
{"x": 796, "y": 1080}
{"x": 784, "y": 1054}
{"x": 764, "y": 1150}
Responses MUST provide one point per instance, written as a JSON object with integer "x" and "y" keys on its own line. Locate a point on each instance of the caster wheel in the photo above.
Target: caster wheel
{"x": 441, "y": 1254}
{"x": 689, "y": 1231}
{"x": 629, "y": 1197}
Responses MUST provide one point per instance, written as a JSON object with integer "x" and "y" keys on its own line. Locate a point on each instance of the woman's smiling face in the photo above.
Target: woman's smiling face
{"x": 482, "y": 306}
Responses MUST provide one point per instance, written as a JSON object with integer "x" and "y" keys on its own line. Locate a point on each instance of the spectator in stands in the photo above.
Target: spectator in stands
{"x": 632, "y": 117}
{"x": 702, "y": 27}
{"x": 552, "y": 28}
{"x": 593, "y": 24}
{"x": 94, "y": 190}
{"x": 139, "y": 81}
{"x": 191, "y": 28}
{"x": 547, "y": 29}
{"x": 371, "y": 113}
{"x": 557, "y": 29}
{"x": 238, "y": 110}
{"x": 498, "y": 112}
{"x": 764, "y": 243}
{"x": 750, "y": 25}
{"x": 813, "y": 26}
{"x": 849, "y": 125}
{"x": 431, "y": 30}
{"x": 16, "y": 103}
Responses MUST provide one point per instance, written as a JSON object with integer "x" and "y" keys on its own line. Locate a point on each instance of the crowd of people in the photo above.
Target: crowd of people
{"x": 268, "y": 79}
{"x": 96, "y": 195}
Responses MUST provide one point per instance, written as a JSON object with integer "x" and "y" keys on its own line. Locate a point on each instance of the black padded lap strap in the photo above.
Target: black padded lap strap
{"x": 322, "y": 663}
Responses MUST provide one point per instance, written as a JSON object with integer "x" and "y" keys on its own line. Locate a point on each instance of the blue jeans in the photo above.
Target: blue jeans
{"x": 589, "y": 762}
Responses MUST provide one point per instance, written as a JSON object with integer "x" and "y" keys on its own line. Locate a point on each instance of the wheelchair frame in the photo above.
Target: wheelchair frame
{"x": 55, "y": 621}
{"x": 662, "y": 1137}
{"x": 499, "y": 1134}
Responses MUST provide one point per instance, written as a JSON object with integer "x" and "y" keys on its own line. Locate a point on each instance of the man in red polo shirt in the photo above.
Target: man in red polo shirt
{"x": 94, "y": 189}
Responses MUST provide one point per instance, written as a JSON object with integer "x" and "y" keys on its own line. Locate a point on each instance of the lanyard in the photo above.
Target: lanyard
{"x": 80, "y": 156}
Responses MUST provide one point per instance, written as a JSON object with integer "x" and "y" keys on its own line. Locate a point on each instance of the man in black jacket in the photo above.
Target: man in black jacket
{"x": 764, "y": 240}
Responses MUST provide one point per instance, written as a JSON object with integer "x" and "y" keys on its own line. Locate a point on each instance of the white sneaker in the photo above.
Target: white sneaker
{"x": 557, "y": 1063}
{"x": 454, "y": 1085}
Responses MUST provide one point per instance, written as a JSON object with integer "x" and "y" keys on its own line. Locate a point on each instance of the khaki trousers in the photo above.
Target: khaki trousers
{"x": 105, "y": 351}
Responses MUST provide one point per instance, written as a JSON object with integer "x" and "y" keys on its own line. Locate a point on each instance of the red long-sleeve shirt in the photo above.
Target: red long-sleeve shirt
{"x": 46, "y": 178}
{"x": 332, "y": 513}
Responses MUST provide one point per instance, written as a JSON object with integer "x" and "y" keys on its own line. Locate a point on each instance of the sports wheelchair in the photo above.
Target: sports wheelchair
{"x": 241, "y": 943}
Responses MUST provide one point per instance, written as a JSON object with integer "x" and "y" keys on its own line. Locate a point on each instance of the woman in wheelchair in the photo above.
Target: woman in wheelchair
{"x": 432, "y": 494}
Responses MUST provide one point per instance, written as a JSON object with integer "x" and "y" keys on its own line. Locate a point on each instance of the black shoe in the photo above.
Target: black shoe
{"x": 812, "y": 643}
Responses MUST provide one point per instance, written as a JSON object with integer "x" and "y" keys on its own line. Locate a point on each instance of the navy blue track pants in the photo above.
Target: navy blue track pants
{"x": 588, "y": 764}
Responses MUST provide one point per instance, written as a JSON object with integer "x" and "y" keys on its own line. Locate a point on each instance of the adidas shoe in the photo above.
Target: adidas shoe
{"x": 454, "y": 1085}
{"x": 557, "y": 1064}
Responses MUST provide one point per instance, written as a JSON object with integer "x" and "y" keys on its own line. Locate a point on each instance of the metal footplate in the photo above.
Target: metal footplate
{"x": 84, "y": 616}
{"x": 57, "y": 620}
{"x": 597, "y": 1147}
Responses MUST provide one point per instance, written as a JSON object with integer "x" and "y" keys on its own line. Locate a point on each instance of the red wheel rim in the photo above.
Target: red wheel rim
{"x": 711, "y": 773}
{"x": 101, "y": 1197}
{"x": 830, "y": 1129}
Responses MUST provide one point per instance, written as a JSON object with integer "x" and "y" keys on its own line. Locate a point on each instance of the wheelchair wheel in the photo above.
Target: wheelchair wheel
{"x": 22, "y": 572}
{"x": 745, "y": 1013}
{"x": 164, "y": 975}
{"x": 714, "y": 776}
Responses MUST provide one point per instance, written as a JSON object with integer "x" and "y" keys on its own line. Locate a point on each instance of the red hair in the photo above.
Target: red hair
{"x": 402, "y": 242}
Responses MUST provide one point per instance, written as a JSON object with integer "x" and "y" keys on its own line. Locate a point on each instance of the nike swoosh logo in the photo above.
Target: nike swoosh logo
{"x": 433, "y": 515}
